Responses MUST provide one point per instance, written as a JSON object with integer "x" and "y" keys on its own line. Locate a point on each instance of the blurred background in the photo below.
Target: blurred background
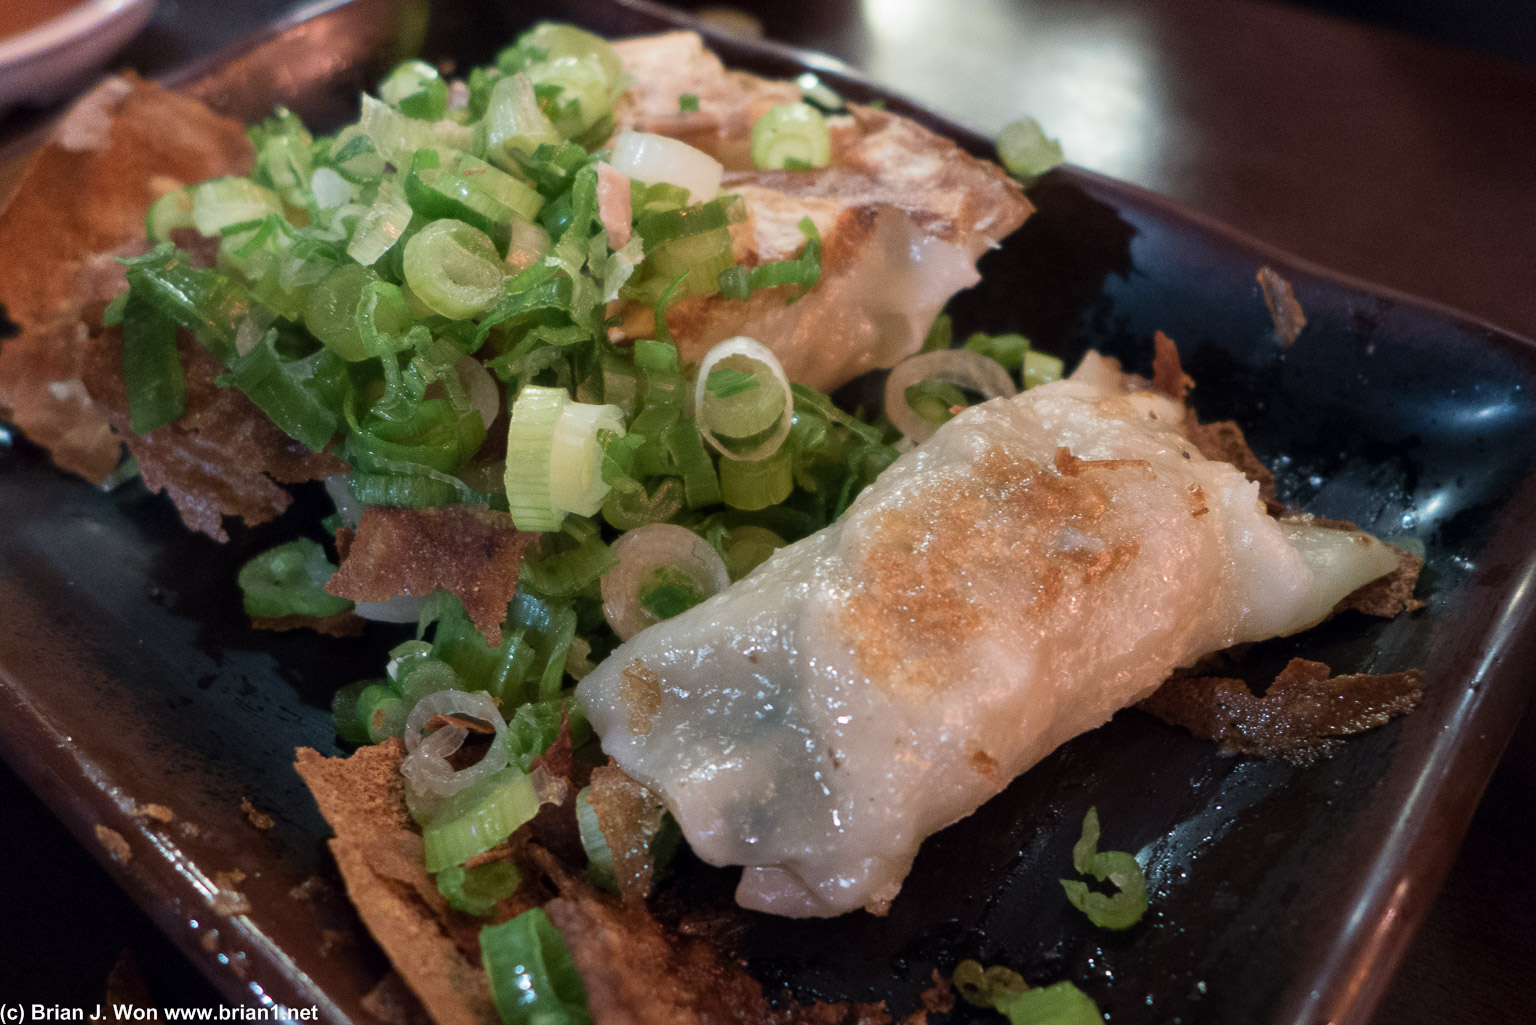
{"x": 1390, "y": 139}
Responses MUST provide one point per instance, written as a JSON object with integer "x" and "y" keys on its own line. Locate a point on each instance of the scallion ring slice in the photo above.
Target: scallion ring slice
{"x": 1041, "y": 368}
{"x": 478, "y": 818}
{"x": 957, "y": 366}
{"x": 652, "y": 159}
{"x": 554, "y": 458}
{"x": 426, "y": 769}
{"x": 480, "y": 387}
{"x": 1026, "y": 151}
{"x": 534, "y": 980}
{"x": 742, "y": 399}
{"x": 576, "y": 457}
{"x": 381, "y": 227}
{"x": 659, "y": 564}
{"x": 454, "y": 268}
{"x": 599, "y": 857}
{"x": 758, "y": 483}
{"x": 221, "y": 202}
{"x": 791, "y": 137}
{"x": 172, "y": 210}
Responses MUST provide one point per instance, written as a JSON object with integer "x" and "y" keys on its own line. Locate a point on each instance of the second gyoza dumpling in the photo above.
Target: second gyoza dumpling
{"x": 1037, "y": 564}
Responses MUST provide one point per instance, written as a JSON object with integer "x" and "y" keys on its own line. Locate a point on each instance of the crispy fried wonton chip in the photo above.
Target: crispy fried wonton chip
{"x": 85, "y": 193}
{"x": 630, "y": 816}
{"x": 379, "y": 853}
{"x": 1284, "y": 310}
{"x": 1168, "y": 374}
{"x": 638, "y": 972}
{"x": 223, "y": 457}
{"x": 469, "y": 550}
{"x": 1301, "y": 716}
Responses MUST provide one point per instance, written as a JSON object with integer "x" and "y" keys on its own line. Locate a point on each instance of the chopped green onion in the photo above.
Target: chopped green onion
{"x": 381, "y": 227}
{"x": 561, "y": 568}
{"x": 415, "y": 89}
{"x": 533, "y": 979}
{"x": 668, "y": 592}
{"x": 748, "y": 415}
{"x": 804, "y": 270}
{"x": 576, "y": 484}
{"x": 330, "y": 312}
{"x": 653, "y": 159}
{"x": 209, "y": 304}
{"x": 536, "y": 725}
{"x": 556, "y": 39}
{"x": 688, "y": 103}
{"x": 171, "y": 211}
{"x": 478, "y": 818}
{"x": 1125, "y": 908}
{"x": 700, "y": 484}
{"x": 221, "y": 203}
{"x": 469, "y": 190}
{"x": 410, "y": 491}
{"x": 418, "y": 676}
{"x": 299, "y": 395}
{"x": 662, "y": 570}
{"x": 580, "y": 93}
{"x": 983, "y": 987}
{"x": 1007, "y": 350}
{"x": 599, "y": 858}
{"x": 1059, "y": 1004}
{"x": 476, "y": 891}
{"x": 941, "y": 334}
{"x": 819, "y": 93}
{"x": 157, "y": 391}
{"x": 397, "y": 137}
{"x": 685, "y": 266}
{"x": 344, "y": 712}
{"x": 791, "y": 135}
{"x": 513, "y": 125}
{"x": 664, "y": 225}
{"x": 746, "y": 547}
{"x": 554, "y": 457}
{"x": 756, "y": 484}
{"x": 289, "y": 580}
{"x": 959, "y": 367}
{"x": 627, "y": 509}
{"x": 454, "y": 268}
{"x": 723, "y": 382}
{"x": 112, "y": 313}
{"x": 358, "y": 160}
{"x": 381, "y": 712}
{"x": 1041, "y": 368}
{"x": 1005, "y": 991}
{"x": 1025, "y": 150}
{"x": 284, "y": 155}
{"x": 935, "y": 400}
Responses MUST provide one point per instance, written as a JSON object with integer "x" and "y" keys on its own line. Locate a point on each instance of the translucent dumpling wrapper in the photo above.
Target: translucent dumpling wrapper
{"x": 1039, "y": 563}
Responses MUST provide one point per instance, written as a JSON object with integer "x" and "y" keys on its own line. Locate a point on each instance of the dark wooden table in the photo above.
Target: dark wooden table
{"x": 1389, "y": 157}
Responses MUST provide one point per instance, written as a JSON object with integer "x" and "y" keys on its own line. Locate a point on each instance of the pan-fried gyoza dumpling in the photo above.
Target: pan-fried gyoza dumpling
{"x": 903, "y": 214}
{"x": 1039, "y": 563}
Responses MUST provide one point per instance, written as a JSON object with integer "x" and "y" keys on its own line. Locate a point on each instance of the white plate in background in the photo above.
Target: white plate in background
{"x": 47, "y": 62}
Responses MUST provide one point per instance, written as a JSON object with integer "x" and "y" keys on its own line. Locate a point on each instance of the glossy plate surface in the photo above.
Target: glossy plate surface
{"x": 128, "y": 675}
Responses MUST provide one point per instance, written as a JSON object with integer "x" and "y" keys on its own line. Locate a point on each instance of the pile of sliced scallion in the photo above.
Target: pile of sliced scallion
{"x": 441, "y": 272}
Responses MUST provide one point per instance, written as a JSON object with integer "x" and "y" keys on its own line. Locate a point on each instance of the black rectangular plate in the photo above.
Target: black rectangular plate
{"x": 128, "y": 673}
